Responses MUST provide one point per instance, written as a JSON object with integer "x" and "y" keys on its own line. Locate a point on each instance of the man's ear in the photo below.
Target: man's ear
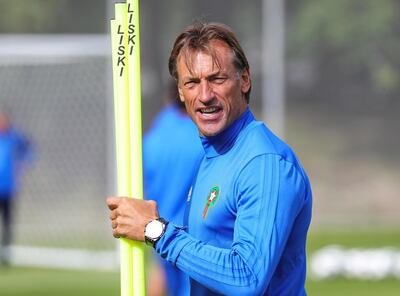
{"x": 180, "y": 92}
{"x": 246, "y": 81}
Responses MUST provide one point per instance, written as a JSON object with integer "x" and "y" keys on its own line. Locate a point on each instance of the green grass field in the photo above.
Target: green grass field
{"x": 46, "y": 282}
{"x": 344, "y": 287}
{"x": 349, "y": 238}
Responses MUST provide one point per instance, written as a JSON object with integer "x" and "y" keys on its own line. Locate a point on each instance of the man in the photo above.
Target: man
{"x": 250, "y": 205}
{"x": 14, "y": 151}
{"x": 171, "y": 145}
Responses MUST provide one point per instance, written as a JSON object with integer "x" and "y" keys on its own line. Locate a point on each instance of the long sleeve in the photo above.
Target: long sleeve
{"x": 270, "y": 192}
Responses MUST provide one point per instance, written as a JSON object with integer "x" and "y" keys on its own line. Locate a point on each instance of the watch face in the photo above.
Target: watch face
{"x": 154, "y": 229}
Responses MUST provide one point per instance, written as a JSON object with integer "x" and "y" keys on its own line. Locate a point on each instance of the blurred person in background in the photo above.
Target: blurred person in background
{"x": 15, "y": 152}
{"x": 249, "y": 208}
{"x": 171, "y": 154}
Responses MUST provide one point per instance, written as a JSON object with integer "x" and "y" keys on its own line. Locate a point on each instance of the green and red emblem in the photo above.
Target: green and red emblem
{"x": 211, "y": 199}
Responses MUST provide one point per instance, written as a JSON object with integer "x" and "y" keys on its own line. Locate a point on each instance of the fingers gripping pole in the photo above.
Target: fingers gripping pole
{"x": 127, "y": 108}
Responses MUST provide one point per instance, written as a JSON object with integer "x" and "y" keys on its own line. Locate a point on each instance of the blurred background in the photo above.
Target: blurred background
{"x": 326, "y": 78}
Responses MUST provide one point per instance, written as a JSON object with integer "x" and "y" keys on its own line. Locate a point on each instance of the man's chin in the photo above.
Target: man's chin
{"x": 210, "y": 131}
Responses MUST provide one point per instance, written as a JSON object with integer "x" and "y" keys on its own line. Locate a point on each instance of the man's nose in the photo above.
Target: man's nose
{"x": 206, "y": 92}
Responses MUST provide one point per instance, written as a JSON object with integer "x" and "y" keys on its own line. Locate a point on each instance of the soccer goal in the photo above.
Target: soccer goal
{"x": 57, "y": 90}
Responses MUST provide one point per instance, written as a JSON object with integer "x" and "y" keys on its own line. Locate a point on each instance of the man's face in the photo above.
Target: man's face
{"x": 213, "y": 94}
{"x": 3, "y": 123}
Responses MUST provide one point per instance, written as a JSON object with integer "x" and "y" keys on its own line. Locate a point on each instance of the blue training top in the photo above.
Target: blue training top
{"x": 14, "y": 148}
{"x": 171, "y": 153}
{"x": 248, "y": 217}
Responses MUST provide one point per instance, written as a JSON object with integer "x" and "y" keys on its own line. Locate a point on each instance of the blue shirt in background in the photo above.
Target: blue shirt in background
{"x": 171, "y": 154}
{"x": 14, "y": 149}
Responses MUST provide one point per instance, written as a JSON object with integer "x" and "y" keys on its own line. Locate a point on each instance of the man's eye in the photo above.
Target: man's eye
{"x": 218, "y": 80}
{"x": 189, "y": 84}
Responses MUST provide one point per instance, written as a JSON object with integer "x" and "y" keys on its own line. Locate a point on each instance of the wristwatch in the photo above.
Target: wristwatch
{"x": 154, "y": 230}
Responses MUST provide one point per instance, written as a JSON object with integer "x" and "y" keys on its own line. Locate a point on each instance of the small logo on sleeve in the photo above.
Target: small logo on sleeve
{"x": 211, "y": 200}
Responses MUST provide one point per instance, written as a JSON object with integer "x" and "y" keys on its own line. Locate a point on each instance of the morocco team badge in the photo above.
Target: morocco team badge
{"x": 211, "y": 199}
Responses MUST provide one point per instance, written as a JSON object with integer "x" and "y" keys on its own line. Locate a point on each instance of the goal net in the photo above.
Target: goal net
{"x": 57, "y": 90}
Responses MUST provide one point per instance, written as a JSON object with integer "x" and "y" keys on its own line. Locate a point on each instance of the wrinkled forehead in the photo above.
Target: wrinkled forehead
{"x": 217, "y": 50}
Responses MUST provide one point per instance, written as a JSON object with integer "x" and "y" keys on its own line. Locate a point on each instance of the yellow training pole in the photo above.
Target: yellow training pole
{"x": 135, "y": 133}
{"x": 126, "y": 129}
{"x": 122, "y": 134}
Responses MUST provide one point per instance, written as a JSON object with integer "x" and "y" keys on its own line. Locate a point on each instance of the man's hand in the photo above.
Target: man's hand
{"x": 130, "y": 216}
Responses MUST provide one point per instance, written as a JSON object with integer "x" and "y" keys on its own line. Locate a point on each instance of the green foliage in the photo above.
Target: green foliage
{"x": 344, "y": 24}
{"x": 359, "y": 35}
{"x": 52, "y": 16}
{"x": 28, "y": 16}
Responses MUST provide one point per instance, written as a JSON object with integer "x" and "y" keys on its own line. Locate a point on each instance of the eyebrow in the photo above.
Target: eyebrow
{"x": 212, "y": 75}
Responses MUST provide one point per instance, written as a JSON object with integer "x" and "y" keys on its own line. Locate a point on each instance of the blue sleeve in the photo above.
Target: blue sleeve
{"x": 148, "y": 165}
{"x": 270, "y": 193}
{"x": 23, "y": 148}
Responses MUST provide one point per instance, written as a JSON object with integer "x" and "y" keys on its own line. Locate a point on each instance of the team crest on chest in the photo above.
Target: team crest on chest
{"x": 211, "y": 200}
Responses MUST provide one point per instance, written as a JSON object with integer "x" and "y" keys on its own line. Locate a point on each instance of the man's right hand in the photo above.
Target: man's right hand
{"x": 130, "y": 216}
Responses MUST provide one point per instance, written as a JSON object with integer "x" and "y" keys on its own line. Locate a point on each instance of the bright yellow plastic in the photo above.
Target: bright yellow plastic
{"x": 135, "y": 109}
{"x": 128, "y": 135}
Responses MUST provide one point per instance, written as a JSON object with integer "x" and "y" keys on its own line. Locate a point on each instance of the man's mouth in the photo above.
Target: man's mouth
{"x": 209, "y": 110}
